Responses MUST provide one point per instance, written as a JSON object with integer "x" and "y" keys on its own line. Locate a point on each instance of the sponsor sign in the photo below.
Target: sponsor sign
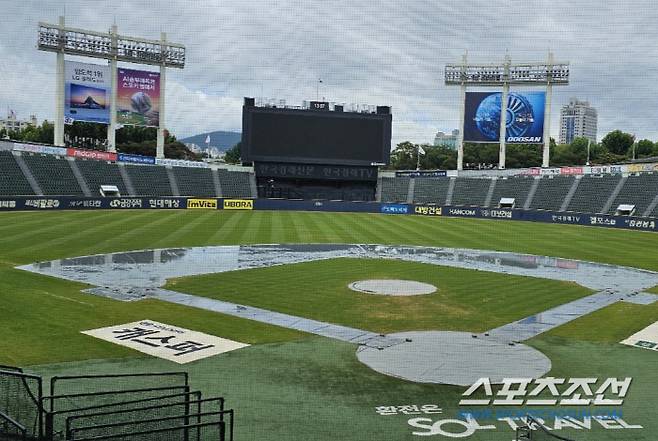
{"x": 395, "y": 209}
{"x": 637, "y": 168}
{"x": 606, "y": 169}
{"x": 42, "y": 204}
{"x": 207, "y": 204}
{"x": 180, "y": 163}
{"x": 421, "y": 174}
{"x": 166, "y": 203}
{"x": 524, "y": 120}
{"x": 498, "y": 214}
{"x": 464, "y": 212}
{"x": 45, "y": 149}
{"x": 238, "y": 204}
{"x": 87, "y": 92}
{"x": 645, "y": 339}
{"x": 135, "y": 159}
{"x": 428, "y": 210}
{"x": 8, "y": 204}
{"x": 160, "y": 340}
{"x": 91, "y": 154}
{"x": 85, "y": 203}
{"x": 138, "y": 98}
{"x": 572, "y": 171}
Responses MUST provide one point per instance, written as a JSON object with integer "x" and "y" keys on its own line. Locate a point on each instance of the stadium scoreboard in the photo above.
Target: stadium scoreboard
{"x": 317, "y": 134}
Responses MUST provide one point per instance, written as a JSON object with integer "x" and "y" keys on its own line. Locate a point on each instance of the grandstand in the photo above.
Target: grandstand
{"x": 28, "y": 174}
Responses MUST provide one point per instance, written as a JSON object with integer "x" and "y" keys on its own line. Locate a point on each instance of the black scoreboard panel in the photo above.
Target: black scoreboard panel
{"x": 315, "y": 136}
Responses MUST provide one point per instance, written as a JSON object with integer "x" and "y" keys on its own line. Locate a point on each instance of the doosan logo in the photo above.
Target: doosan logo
{"x": 524, "y": 139}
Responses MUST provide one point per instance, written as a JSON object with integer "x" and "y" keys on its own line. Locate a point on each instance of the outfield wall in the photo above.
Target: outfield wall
{"x": 39, "y": 203}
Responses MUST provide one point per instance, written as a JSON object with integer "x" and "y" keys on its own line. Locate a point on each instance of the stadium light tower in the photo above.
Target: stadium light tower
{"x": 112, "y": 47}
{"x": 549, "y": 74}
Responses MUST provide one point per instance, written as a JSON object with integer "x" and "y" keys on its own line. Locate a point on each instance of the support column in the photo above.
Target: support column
{"x": 112, "y": 127}
{"x": 503, "y": 126}
{"x": 462, "y": 110}
{"x": 547, "y": 116}
{"x": 59, "y": 90}
{"x": 503, "y": 113}
{"x": 163, "y": 79}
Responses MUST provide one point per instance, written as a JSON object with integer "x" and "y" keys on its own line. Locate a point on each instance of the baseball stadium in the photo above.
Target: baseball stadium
{"x": 316, "y": 289}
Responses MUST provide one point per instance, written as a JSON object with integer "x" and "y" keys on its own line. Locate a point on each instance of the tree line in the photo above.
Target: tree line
{"x": 616, "y": 146}
{"x": 129, "y": 139}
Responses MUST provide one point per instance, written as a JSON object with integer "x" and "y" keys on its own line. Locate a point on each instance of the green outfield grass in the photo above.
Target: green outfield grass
{"x": 466, "y": 300}
{"x": 292, "y": 386}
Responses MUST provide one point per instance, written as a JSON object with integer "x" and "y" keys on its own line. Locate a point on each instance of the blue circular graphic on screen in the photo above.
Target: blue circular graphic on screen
{"x": 487, "y": 116}
{"x": 520, "y": 116}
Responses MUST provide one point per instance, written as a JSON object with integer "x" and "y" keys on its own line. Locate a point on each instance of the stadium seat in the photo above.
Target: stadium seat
{"x": 470, "y": 191}
{"x": 194, "y": 181}
{"x": 593, "y": 192}
{"x": 98, "y": 173}
{"x": 12, "y": 180}
{"x": 395, "y": 189}
{"x": 431, "y": 190}
{"x": 53, "y": 174}
{"x": 638, "y": 190}
{"x": 551, "y": 192}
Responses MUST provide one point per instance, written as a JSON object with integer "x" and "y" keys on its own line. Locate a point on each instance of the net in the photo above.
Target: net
{"x": 147, "y": 425}
{"x": 195, "y": 405}
{"x": 79, "y": 384}
{"x": 81, "y": 404}
{"x": 211, "y": 431}
{"x": 20, "y": 396}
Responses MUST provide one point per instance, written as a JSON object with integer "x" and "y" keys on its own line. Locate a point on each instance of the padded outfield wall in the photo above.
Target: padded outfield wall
{"x": 38, "y": 203}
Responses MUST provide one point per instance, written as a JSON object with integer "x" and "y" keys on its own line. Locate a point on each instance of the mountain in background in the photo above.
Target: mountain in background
{"x": 219, "y": 139}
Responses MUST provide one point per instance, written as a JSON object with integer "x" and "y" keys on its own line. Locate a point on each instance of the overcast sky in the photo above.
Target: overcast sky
{"x": 382, "y": 52}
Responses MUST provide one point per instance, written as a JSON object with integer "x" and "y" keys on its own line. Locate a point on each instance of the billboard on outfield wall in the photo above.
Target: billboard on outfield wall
{"x": 525, "y": 117}
{"x": 138, "y": 98}
{"x": 87, "y": 92}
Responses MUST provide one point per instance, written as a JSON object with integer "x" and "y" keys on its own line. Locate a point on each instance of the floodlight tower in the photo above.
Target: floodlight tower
{"x": 504, "y": 75}
{"x": 112, "y": 47}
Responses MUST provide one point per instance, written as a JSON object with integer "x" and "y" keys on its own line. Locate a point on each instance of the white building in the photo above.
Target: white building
{"x": 13, "y": 123}
{"x": 447, "y": 140}
{"x": 577, "y": 119}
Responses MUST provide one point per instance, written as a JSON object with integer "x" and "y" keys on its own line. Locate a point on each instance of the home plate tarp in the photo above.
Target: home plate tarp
{"x": 646, "y": 338}
{"x": 172, "y": 343}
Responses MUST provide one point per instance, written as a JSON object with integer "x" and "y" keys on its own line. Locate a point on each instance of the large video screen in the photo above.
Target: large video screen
{"x": 524, "y": 122}
{"x": 315, "y": 137}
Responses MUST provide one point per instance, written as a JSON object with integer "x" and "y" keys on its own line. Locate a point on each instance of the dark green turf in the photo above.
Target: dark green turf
{"x": 466, "y": 300}
{"x": 315, "y": 389}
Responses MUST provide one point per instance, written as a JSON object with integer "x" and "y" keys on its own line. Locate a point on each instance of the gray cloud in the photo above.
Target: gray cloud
{"x": 388, "y": 52}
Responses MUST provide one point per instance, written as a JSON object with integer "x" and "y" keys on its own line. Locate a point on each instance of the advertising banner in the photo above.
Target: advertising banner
{"x": 138, "y": 98}
{"x": 45, "y": 149}
{"x": 421, "y": 174}
{"x": 87, "y": 92}
{"x": 395, "y": 208}
{"x": 525, "y": 117}
{"x": 203, "y": 204}
{"x": 238, "y": 204}
{"x": 136, "y": 159}
{"x": 91, "y": 154}
{"x": 181, "y": 163}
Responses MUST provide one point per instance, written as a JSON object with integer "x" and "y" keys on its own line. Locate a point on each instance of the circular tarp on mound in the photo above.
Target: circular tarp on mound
{"x": 392, "y": 287}
{"x": 454, "y": 358}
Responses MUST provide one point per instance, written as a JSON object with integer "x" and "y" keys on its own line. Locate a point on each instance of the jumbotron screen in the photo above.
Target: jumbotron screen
{"x": 315, "y": 136}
